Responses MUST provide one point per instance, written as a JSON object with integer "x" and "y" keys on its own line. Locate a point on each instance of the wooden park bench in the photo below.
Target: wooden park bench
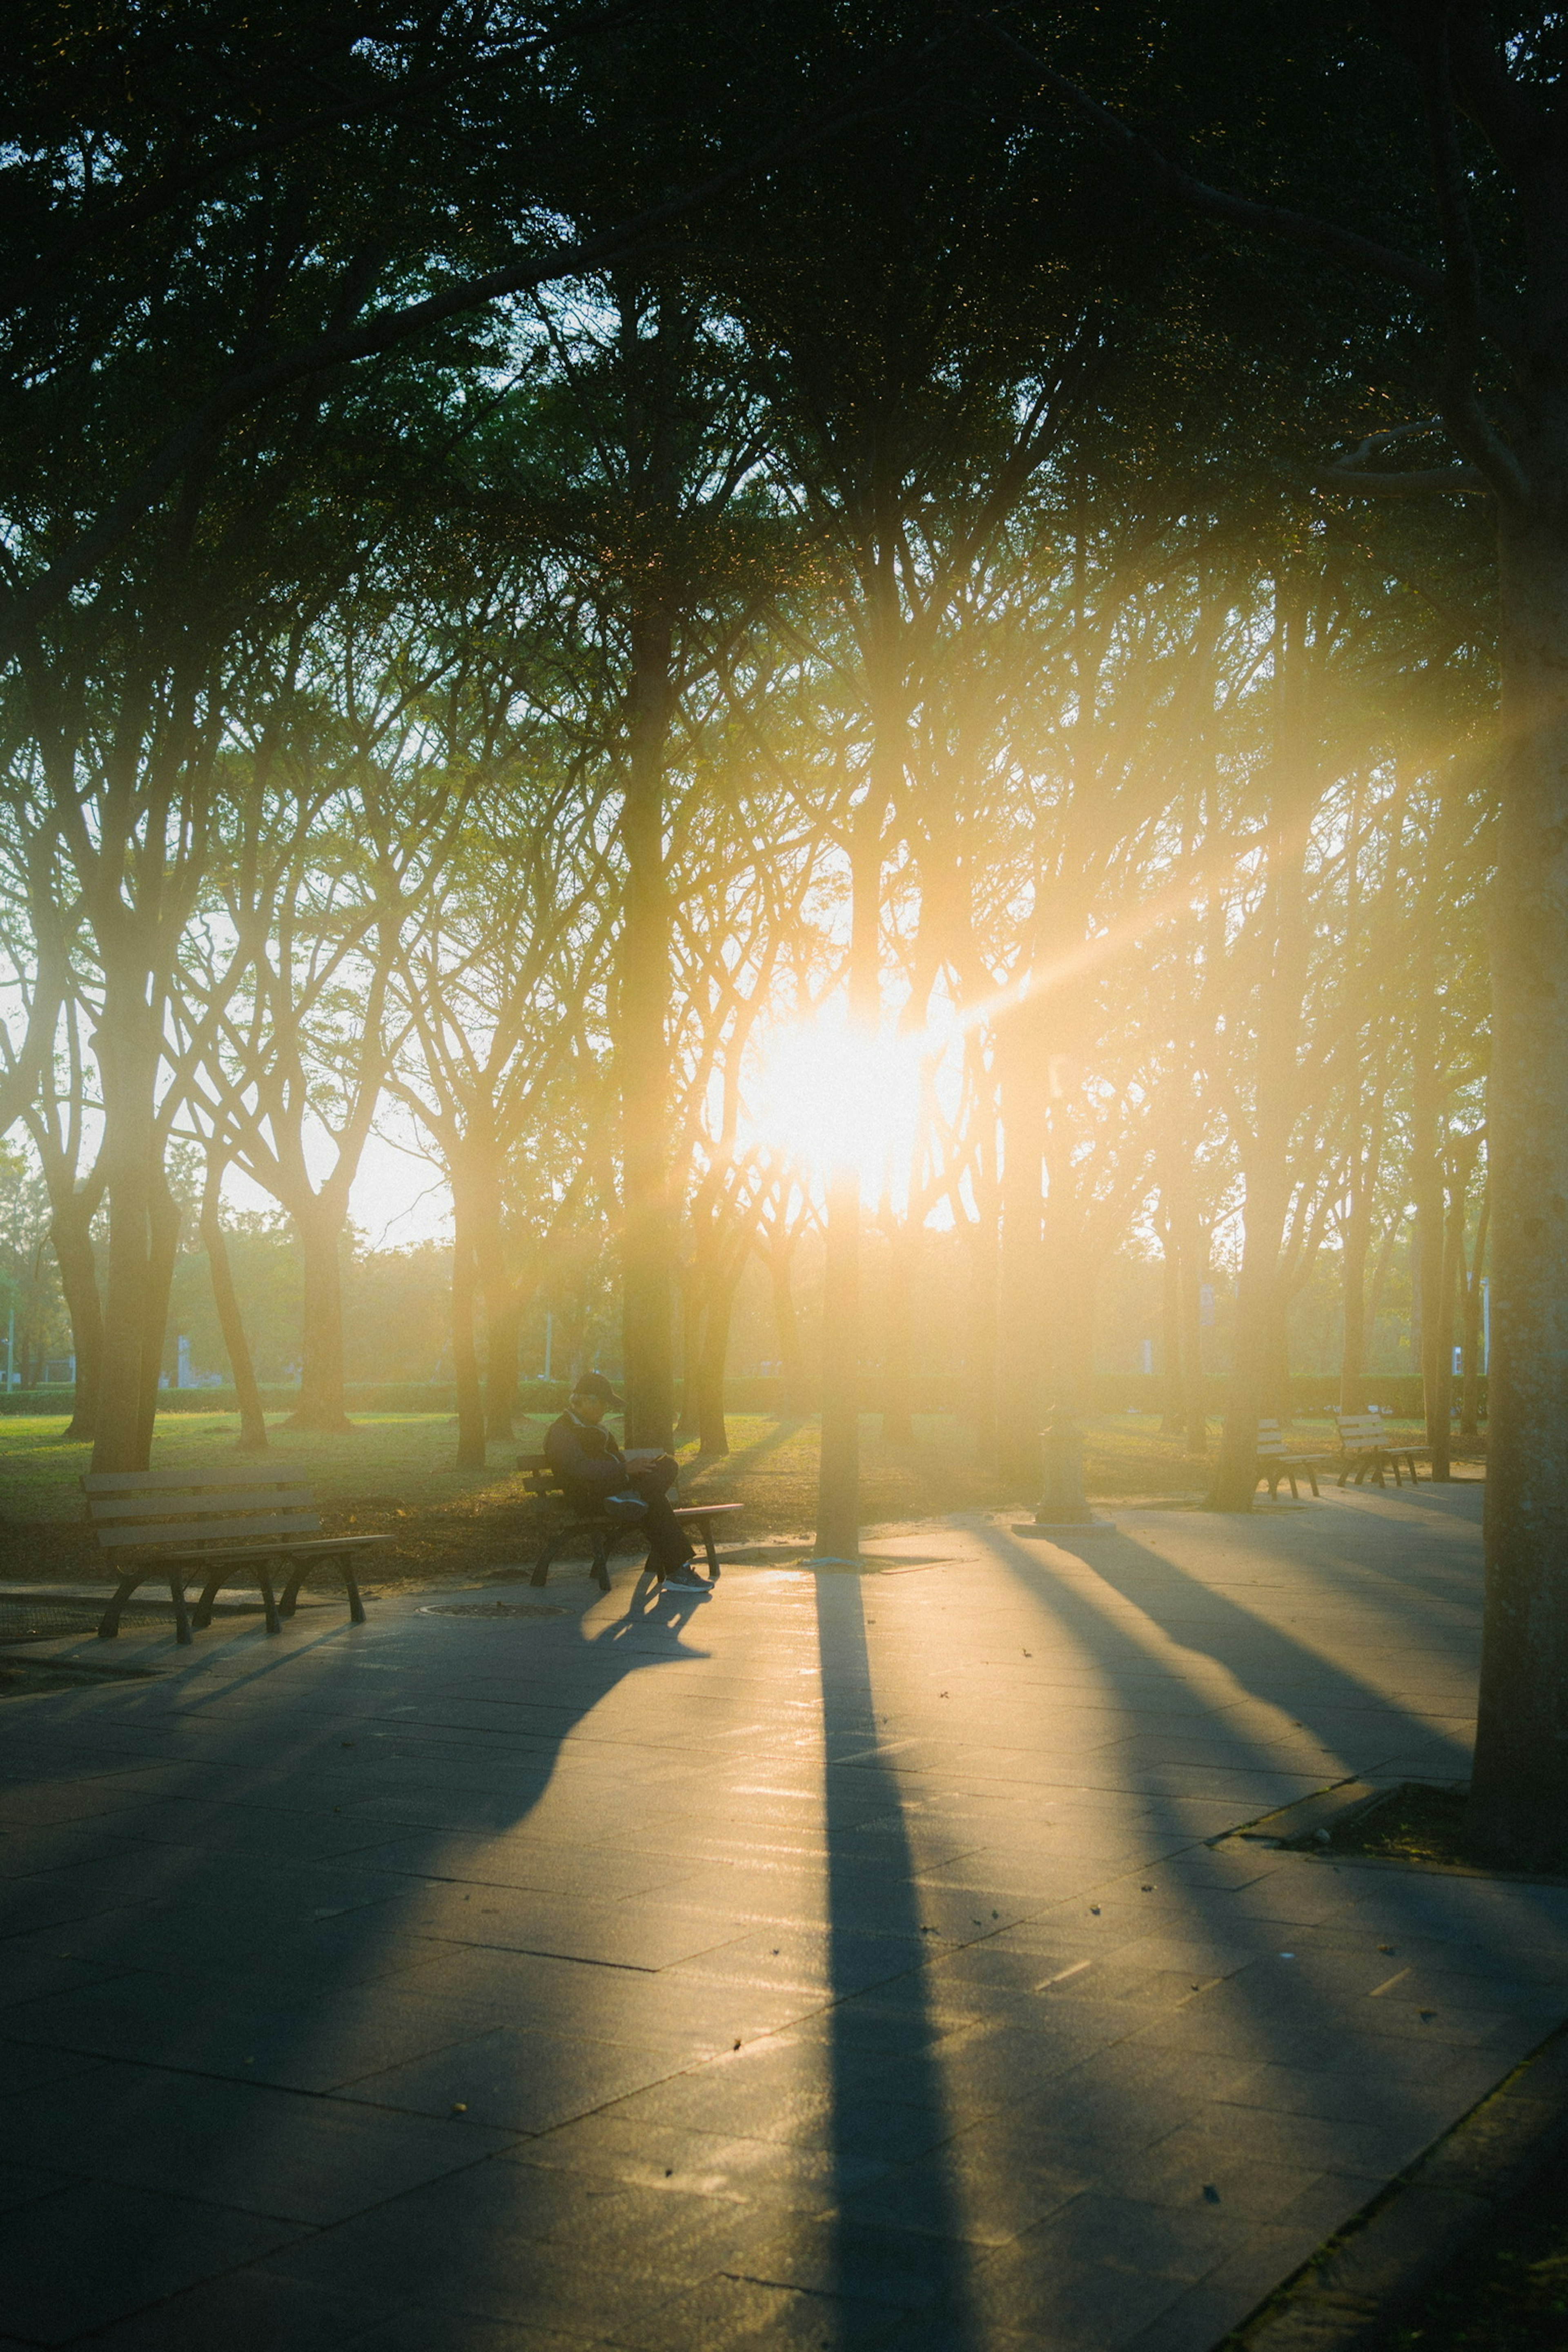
{"x": 1366, "y": 1449}
{"x": 561, "y": 1524}
{"x": 184, "y": 1524}
{"x": 1274, "y": 1463}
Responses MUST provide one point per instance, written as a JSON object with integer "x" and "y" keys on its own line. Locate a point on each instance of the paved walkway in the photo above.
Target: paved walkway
{"x": 839, "y": 1963}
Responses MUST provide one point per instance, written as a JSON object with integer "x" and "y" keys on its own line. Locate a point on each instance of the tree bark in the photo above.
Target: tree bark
{"x": 898, "y": 1332}
{"x": 321, "y": 1408}
{"x": 1267, "y": 1172}
{"x": 225, "y": 1299}
{"x": 1470, "y": 1392}
{"x": 1519, "y": 1811}
{"x": 1427, "y": 1193}
{"x": 838, "y": 1475}
{"x": 465, "y": 1356}
{"x": 136, "y": 1298}
{"x": 712, "y": 1435}
{"x": 1173, "y": 1415}
{"x": 984, "y": 1293}
{"x": 1020, "y": 1345}
{"x": 70, "y": 1231}
{"x": 786, "y": 1325}
{"x": 648, "y": 1235}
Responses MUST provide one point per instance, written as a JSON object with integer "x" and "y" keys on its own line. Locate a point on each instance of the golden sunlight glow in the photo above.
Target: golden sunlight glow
{"x": 834, "y": 1096}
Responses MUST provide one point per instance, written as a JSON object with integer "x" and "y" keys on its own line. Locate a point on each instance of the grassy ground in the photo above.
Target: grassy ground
{"x": 393, "y": 1474}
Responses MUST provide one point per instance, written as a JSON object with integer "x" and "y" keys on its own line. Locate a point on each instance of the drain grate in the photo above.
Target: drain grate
{"x": 496, "y": 1609}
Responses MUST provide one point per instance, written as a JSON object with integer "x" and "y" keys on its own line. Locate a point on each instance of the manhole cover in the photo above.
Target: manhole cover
{"x": 495, "y": 1609}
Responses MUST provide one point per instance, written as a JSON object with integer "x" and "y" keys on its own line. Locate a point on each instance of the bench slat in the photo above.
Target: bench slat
{"x": 147, "y": 1482}
{"x": 242, "y": 1498}
{"x": 182, "y": 1532}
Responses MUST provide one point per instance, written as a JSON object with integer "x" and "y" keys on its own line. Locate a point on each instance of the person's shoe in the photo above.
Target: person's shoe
{"x": 686, "y": 1579}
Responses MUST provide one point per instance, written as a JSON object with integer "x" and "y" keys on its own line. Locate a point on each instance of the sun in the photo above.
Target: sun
{"x": 834, "y": 1096}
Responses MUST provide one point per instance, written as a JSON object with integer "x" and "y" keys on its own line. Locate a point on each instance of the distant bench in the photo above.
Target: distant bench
{"x": 1368, "y": 1449}
{"x": 1275, "y": 1463}
{"x": 184, "y": 1524}
{"x": 563, "y": 1523}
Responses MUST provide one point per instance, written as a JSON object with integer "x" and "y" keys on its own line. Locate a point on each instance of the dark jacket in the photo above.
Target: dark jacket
{"x": 586, "y": 1460}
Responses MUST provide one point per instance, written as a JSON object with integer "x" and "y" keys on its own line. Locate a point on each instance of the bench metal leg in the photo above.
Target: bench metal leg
{"x": 109, "y": 1623}
{"x": 351, "y": 1586}
{"x": 707, "y": 1527}
{"x": 542, "y": 1565}
{"x": 600, "y": 1571}
{"x": 268, "y": 1601}
{"x": 288, "y": 1599}
{"x": 1313, "y": 1476}
{"x": 1292, "y": 1476}
{"x": 209, "y": 1593}
{"x": 182, "y": 1621}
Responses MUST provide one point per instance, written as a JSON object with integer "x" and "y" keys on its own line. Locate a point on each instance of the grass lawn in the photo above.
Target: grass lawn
{"x": 394, "y": 1475}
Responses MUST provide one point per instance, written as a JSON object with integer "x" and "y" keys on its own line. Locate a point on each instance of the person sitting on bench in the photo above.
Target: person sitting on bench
{"x": 596, "y": 1475}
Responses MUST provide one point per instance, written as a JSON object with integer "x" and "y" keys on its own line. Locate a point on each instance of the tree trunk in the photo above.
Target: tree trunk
{"x": 136, "y": 1299}
{"x": 320, "y": 1408}
{"x": 1519, "y": 1808}
{"x": 984, "y": 1289}
{"x": 646, "y": 1235}
{"x": 1355, "y": 1248}
{"x": 693, "y": 1304}
{"x": 252, "y": 1419}
{"x": 1470, "y": 1392}
{"x": 898, "y": 1333}
{"x": 1426, "y": 1191}
{"x": 786, "y": 1325}
{"x": 838, "y": 1477}
{"x": 713, "y": 1437}
{"x": 70, "y": 1230}
{"x": 465, "y": 1357}
{"x": 1020, "y": 1346}
{"x": 1266, "y": 1153}
{"x": 1172, "y": 1417}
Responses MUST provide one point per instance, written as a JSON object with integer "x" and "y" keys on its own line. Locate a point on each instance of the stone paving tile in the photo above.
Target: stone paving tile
{"x": 938, "y": 2044}
{"x": 243, "y": 2144}
{"x": 248, "y": 2311}
{"x": 513, "y": 2081}
{"x": 93, "y": 2253}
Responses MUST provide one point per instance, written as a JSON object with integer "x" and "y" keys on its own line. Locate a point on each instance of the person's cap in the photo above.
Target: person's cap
{"x": 594, "y": 1385}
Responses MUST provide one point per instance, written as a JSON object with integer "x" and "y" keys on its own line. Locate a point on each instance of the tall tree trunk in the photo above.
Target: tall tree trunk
{"x": 136, "y": 1297}
{"x": 322, "y": 1407}
{"x": 1470, "y": 1392}
{"x": 787, "y": 1326}
{"x": 1265, "y": 1152}
{"x": 838, "y": 1474}
{"x": 1427, "y": 1193}
{"x": 164, "y": 1243}
{"x": 898, "y": 1332}
{"x": 839, "y": 1470}
{"x": 1173, "y": 1414}
{"x": 465, "y": 1356}
{"x": 1020, "y": 1343}
{"x": 1355, "y": 1248}
{"x": 712, "y": 1435}
{"x": 693, "y": 1303}
{"x": 70, "y": 1231}
{"x": 648, "y": 1235}
{"x": 1519, "y": 1811}
{"x": 225, "y": 1299}
{"x": 984, "y": 1291}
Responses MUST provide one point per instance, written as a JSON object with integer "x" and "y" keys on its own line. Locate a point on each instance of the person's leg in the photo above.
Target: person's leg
{"x": 668, "y": 1545}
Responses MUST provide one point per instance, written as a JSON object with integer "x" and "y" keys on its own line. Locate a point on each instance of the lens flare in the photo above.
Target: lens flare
{"x": 834, "y": 1096}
